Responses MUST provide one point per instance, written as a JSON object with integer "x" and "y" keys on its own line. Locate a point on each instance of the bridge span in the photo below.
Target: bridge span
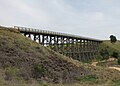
{"x": 77, "y": 47}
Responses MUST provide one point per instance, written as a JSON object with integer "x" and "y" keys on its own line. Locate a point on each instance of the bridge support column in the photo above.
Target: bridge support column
{"x": 72, "y": 46}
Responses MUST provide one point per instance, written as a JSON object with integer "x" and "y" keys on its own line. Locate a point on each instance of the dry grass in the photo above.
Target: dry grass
{"x": 105, "y": 77}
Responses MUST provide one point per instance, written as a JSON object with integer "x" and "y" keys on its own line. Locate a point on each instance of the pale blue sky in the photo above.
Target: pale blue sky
{"x": 91, "y": 18}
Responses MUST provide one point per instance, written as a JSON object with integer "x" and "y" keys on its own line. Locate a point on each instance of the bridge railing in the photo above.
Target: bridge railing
{"x": 40, "y": 31}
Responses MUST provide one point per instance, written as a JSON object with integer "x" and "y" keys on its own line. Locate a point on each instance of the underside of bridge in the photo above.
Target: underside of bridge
{"x": 76, "y": 47}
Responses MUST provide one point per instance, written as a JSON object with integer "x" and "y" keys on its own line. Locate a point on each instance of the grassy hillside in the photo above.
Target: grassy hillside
{"x": 110, "y": 47}
{"x": 24, "y": 62}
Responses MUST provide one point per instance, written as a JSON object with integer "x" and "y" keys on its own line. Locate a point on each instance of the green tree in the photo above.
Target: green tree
{"x": 113, "y": 39}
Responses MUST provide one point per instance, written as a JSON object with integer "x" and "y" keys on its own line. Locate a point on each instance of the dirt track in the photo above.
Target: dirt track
{"x": 116, "y": 68}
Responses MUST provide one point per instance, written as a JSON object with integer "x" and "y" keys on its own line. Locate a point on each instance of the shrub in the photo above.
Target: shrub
{"x": 116, "y": 82}
{"x": 38, "y": 70}
{"x": 104, "y": 53}
{"x": 99, "y": 58}
{"x": 115, "y": 54}
{"x": 12, "y": 72}
{"x": 119, "y": 60}
{"x": 88, "y": 78}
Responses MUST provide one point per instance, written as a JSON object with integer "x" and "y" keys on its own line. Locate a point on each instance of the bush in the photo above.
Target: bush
{"x": 104, "y": 53}
{"x": 115, "y": 54}
{"x": 88, "y": 78}
{"x": 99, "y": 58}
{"x": 119, "y": 60}
{"x": 116, "y": 82}
{"x": 12, "y": 72}
{"x": 39, "y": 71}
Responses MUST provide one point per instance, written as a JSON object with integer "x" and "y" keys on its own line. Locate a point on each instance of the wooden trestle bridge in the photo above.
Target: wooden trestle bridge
{"x": 77, "y": 47}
